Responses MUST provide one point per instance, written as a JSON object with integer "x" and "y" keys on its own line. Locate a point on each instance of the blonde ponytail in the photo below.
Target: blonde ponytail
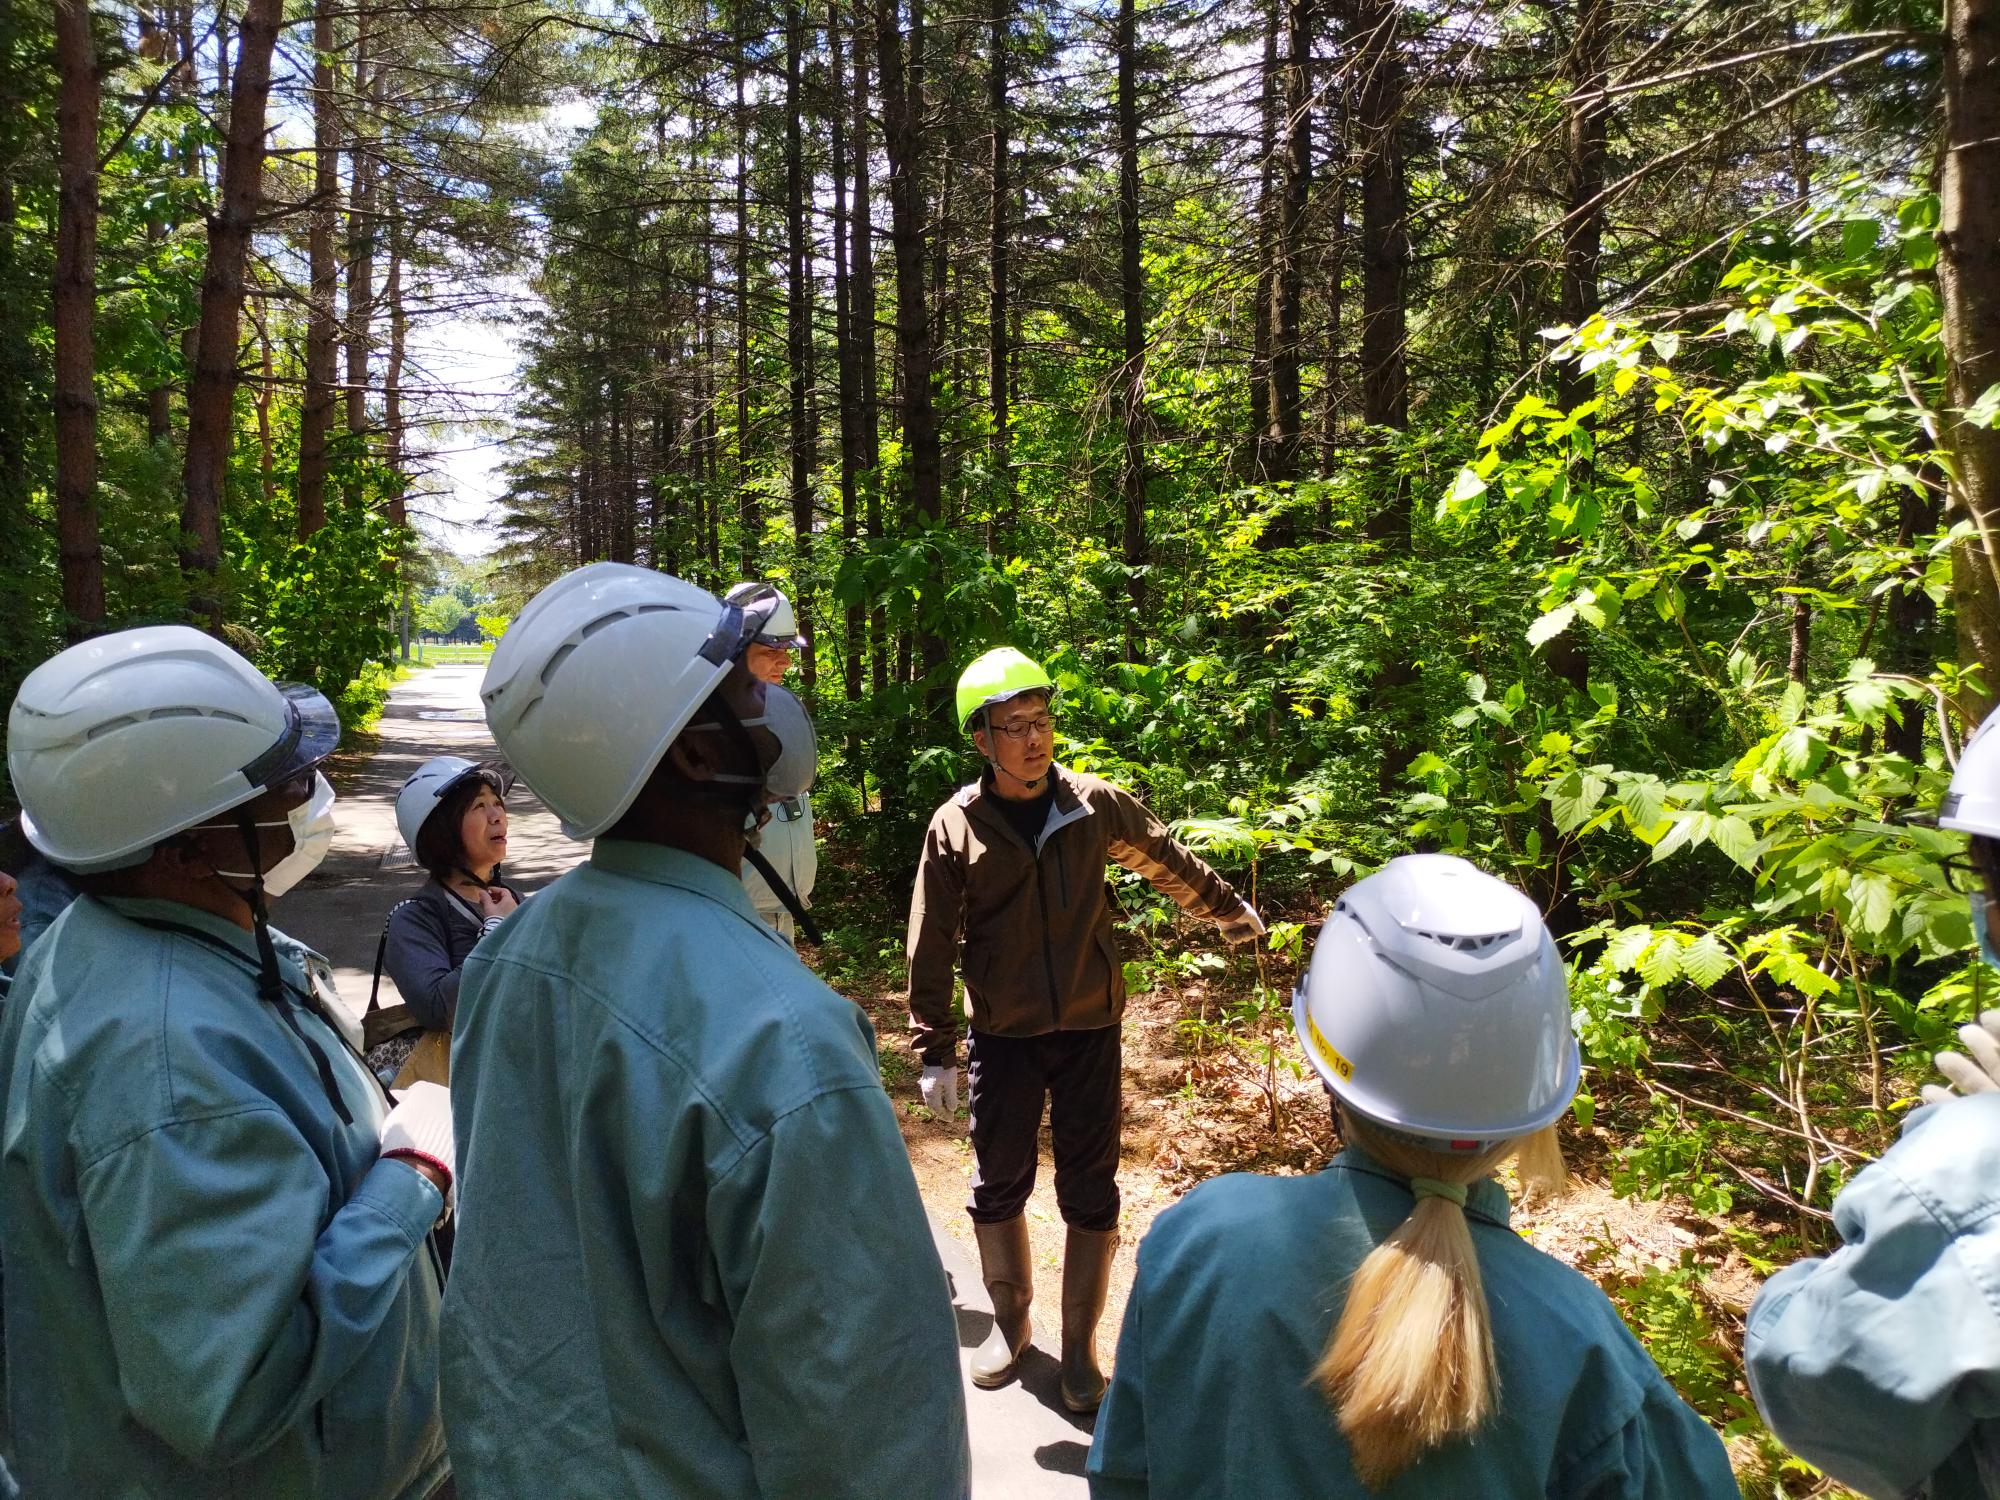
{"x": 1411, "y": 1364}
{"x": 1539, "y": 1165}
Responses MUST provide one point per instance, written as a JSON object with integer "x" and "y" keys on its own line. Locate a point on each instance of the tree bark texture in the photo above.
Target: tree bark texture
{"x": 1000, "y": 536}
{"x": 798, "y": 333}
{"x": 1583, "y": 223}
{"x": 902, "y": 127}
{"x": 1969, "y": 278}
{"x": 749, "y": 522}
{"x": 1132, "y": 289}
{"x": 322, "y": 315}
{"x": 213, "y": 384}
{"x": 75, "y": 309}
{"x": 1385, "y": 249}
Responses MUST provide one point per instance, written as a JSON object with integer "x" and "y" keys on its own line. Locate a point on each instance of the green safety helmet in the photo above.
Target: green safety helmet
{"x": 1000, "y": 674}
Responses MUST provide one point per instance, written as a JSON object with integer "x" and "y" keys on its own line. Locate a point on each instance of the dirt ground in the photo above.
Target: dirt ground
{"x": 1192, "y": 1114}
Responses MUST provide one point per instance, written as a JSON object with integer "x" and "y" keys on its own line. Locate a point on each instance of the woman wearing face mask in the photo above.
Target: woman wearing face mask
{"x": 453, "y": 815}
{"x": 785, "y": 841}
{"x": 257, "y": 1310}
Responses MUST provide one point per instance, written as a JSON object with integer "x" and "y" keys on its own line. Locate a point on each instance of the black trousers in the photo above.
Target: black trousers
{"x": 1077, "y": 1073}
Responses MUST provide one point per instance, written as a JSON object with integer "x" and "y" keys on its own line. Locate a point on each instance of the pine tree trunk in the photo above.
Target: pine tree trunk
{"x": 1288, "y": 271}
{"x": 1132, "y": 290}
{"x": 846, "y": 345}
{"x": 1583, "y": 224}
{"x": 748, "y": 520}
{"x": 322, "y": 292}
{"x": 17, "y": 357}
{"x": 798, "y": 333}
{"x": 1000, "y": 536}
{"x": 902, "y": 126}
{"x": 1385, "y": 252}
{"x": 1969, "y": 277}
{"x": 74, "y": 314}
{"x": 392, "y": 408}
{"x": 1260, "y": 336}
{"x": 861, "y": 268}
{"x": 361, "y": 227}
{"x": 213, "y": 383}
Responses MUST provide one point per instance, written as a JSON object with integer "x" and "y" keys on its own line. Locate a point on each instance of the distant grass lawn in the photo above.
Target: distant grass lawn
{"x": 433, "y": 656}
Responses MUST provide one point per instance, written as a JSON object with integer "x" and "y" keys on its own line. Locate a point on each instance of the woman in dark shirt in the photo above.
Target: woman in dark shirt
{"x": 453, "y": 815}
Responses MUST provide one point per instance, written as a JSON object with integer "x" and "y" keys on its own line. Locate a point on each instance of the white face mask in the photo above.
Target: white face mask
{"x": 311, "y": 823}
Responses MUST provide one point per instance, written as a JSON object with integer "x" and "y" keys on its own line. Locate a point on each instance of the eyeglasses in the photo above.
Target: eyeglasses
{"x": 1019, "y": 730}
{"x": 1963, "y": 875}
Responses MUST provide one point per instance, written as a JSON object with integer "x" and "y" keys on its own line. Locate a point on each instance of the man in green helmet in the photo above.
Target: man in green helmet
{"x": 1013, "y": 870}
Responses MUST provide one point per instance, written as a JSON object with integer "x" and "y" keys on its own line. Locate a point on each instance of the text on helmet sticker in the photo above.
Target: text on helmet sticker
{"x": 1327, "y": 1050}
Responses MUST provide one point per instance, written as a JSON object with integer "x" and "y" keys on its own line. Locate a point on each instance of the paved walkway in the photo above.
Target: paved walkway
{"x": 1024, "y": 1445}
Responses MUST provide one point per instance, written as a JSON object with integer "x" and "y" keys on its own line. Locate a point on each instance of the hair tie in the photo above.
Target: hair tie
{"x": 1431, "y": 1187}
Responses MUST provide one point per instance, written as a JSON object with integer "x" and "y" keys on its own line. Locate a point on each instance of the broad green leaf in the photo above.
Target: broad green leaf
{"x": 1661, "y": 963}
{"x": 1550, "y": 625}
{"x": 1706, "y": 960}
{"x": 1623, "y": 951}
{"x": 1737, "y": 839}
{"x": 1574, "y": 799}
{"x": 1468, "y": 486}
{"x": 1689, "y": 830}
{"x": 1644, "y": 799}
{"x": 1872, "y": 901}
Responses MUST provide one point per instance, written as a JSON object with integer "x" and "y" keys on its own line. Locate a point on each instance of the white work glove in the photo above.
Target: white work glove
{"x": 939, "y": 1086}
{"x": 1978, "y": 1073}
{"x": 1245, "y": 926}
{"x": 419, "y": 1127}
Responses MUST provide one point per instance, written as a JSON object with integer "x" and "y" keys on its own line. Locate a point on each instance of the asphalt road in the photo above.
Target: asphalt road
{"x": 1024, "y": 1445}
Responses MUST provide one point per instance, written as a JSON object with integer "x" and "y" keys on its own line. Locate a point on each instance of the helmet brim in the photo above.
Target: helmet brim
{"x": 312, "y": 733}
{"x": 497, "y": 775}
{"x": 1048, "y": 690}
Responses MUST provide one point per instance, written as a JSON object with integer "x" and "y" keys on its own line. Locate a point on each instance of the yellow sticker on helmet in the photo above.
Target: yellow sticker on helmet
{"x": 1327, "y": 1050}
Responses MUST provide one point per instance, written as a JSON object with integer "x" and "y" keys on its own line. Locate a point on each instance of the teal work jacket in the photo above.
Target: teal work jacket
{"x": 214, "y": 1288}
{"x": 691, "y": 1259}
{"x": 1881, "y": 1362}
{"x": 1239, "y": 1288}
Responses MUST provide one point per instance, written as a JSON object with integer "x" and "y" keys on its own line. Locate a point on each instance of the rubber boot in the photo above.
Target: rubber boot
{"x": 1005, "y": 1267}
{"x": 1086, "y": 1277}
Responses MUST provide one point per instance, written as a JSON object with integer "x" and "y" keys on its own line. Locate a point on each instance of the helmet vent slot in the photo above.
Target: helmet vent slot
{"x": 179, "y": 711}
{"x": 555, "y": 663}
{"x": 1464, "y": 942}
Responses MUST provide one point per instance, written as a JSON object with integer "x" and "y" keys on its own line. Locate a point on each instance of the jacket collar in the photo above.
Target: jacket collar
{"x": 223, "y": 933}
{"x": 1484, "y": 1199}
{"x": 151, "y": 909}
{"x": 979, "y": 799}
{"x": 657, "y": 864}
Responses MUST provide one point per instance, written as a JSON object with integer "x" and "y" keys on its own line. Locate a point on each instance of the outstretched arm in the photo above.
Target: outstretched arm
{"x": 1140, "y": 842}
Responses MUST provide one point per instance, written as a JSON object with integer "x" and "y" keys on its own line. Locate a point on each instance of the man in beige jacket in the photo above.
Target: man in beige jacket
{"x": 1013, "y": 871}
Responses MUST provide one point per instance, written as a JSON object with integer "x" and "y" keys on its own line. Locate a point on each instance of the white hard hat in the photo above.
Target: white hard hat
{"x": 597, "y": 676}
{"x": 1436, "y": 1004}
{"x": 430, "y": 784}
{"x": 127, "y": 739}
{"x": 780, "y": 626}
{"x": 1972, "y": 805}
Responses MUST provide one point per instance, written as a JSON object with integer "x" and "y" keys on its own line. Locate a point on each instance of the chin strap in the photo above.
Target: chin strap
{"x": 1034, "y": 786}
{"x": 271, "y": 979}
{"x": 783, "y": 892}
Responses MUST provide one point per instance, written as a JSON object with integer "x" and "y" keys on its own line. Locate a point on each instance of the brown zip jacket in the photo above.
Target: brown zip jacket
{"x": 1036, "y": 923}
